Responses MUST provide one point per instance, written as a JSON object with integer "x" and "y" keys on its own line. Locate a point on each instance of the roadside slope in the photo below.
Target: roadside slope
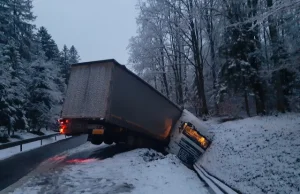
{"x": 256, "y": 155}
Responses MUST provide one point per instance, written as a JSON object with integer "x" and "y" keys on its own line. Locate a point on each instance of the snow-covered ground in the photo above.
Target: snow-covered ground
{"x": 256, "y": 155}
{"x": 26, "y": 147}
{"x": 138, "y": 171}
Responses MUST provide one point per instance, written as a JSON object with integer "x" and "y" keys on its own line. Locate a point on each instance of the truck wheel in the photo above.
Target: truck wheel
{"x": 108, "y": 141}
{"x": 131, "y": 141}
{"x": 140, "y": 142}
{"x": 96, "y": 140}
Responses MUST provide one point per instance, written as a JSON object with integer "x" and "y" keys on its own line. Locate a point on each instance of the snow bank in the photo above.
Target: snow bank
{"x": 256, "y": 155}
{"x": 139, "y": 171}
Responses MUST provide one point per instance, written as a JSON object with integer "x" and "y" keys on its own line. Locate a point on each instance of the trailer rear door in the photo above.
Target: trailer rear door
{"x": 88, "y": 91}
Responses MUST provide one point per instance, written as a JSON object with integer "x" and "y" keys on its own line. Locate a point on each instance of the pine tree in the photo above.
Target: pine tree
{"x": 20, "y": 27}
{"x": 49, "y": 46}
{"x": 32, "y": 70}
{"x": 40, "y": 99}
{"x": 240, "y": 71}
{"x": 65, "y": 63}
{"x": 5, "y": 109}
{"x": 14, "y": 88}
{"x": 73, "y": 54}
{"x": 16, "y": 31}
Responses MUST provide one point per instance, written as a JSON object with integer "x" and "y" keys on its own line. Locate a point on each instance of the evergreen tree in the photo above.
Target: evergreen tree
{"x": 74, "y": 57}
{"x": 19, "y": 25}
{"x": 240, "y": 71}
{"x": 65, "y": 62}
{"x": 13, "y": 87}
{"x": 16, "y": 31}
{"x": 40, "y": 98}
{"x": 32, "y": 70}
{"x": 5, "y": 109}
{"x": 48, "y": 44}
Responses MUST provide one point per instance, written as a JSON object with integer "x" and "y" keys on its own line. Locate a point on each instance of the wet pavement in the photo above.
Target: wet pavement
{"x": 106, "y": 169}
{"x": 47, "y": 173}
{"x": 99, "y": 153}
{"x": 14, "y": 168}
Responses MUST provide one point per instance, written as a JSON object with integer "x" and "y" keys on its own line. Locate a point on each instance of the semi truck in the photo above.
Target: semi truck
{"x": 111, "y": 104}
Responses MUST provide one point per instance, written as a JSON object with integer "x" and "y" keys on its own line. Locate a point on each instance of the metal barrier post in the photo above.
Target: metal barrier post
{"x": 21, "y": 148}
{"x": 41, "y": 142}
{"x": 55, "y": 137}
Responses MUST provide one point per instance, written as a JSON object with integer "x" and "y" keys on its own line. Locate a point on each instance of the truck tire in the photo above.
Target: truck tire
{"x": 108, "y": 141}
{"x": 96, "y": 140}
{"x": 131, "y": 140}
{"x": 140, "y": 142}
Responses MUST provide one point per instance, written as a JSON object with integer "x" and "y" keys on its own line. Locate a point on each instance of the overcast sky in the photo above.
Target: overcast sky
{"x": 99, "y": 29}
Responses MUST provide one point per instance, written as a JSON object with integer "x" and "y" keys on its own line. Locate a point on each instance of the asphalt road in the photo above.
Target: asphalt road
{"x": 100, "y": 153}
{"x": 14, "y": 168}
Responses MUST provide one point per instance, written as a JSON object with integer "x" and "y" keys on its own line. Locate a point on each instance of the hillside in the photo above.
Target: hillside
{"x": 256, "y": 155}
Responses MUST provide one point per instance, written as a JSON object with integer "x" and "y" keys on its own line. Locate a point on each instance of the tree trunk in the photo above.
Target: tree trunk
{"x": 275, "y": 45}
{"x": 202, "y": 93}
{"x": 155, "y": 82}
{"x": 246, "y": 103}
{"x": 255, "y": 61}
{"x": 210, "y": 30}
{"x": 246, "y": 97}
{"x": 259, "y": 99}
{"x": 166, "y": 84}
{"x": 180, "y": 88}
{"x": 279, "y": 93}
{"x": 8, "y": 130}
{"x": 198, "y": 64}
{"x": 164, "y": 70}
{"x": 198, "y": 93}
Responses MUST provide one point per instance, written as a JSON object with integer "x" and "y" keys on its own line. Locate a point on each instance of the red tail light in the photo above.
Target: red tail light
{"x": 63, "y": 125}
{"x": 63, "y": 121}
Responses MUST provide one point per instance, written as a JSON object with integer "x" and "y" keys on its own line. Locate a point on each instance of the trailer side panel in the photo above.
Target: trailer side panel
{"x": 136, "y": 105}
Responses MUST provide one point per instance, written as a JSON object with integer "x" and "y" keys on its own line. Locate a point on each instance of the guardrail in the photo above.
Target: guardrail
{"x": 25, "y": 141}
{"x": 216, "y": 185}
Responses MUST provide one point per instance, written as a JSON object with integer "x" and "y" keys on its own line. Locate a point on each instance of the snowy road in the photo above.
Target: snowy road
{"x": 17, "y": 166}
{"x": 109, "y": 169}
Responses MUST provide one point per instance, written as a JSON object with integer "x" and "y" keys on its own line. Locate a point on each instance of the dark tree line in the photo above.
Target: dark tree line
{"x": 33, "y": 71}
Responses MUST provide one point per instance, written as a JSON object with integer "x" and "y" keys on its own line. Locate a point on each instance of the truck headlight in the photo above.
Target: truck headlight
{"x": 195, "y": 136}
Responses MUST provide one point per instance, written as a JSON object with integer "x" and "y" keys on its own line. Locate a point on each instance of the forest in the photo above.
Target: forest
{"x": 33, "y": 71}
{"x": 212, "y": 57}
{"x": 221, "y": 57}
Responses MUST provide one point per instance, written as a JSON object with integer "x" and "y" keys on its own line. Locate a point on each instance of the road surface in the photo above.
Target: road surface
{"x": 17, "y": 166}
{"x": 109, "y": 169}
